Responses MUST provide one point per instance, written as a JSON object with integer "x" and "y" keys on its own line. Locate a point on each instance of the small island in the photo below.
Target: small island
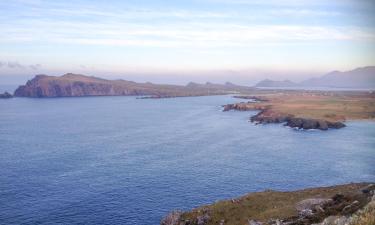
{"x": 6, "y": 95}
{"x": 308, "y": 109}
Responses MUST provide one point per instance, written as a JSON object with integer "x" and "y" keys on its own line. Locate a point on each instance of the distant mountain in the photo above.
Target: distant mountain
{"x": 358, "y": 78}
{"x": 71, "y": 85}
{"x": 361, "y": 78}
{"x": 273, "y": 83}
{"x": 209, "y": 85}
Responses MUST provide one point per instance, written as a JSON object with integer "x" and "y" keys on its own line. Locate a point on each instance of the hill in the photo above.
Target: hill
{"x": 359, "y": 78}
{"x": 273, "y": 83}
{"x": 71, "y": 85}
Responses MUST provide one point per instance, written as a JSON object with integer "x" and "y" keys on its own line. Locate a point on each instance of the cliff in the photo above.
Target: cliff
{"x": 71, "y": 85}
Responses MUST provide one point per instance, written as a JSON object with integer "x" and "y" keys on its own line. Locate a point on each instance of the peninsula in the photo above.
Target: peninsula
{"x": 75, "y": 85}
{"x": 308, "y": 109}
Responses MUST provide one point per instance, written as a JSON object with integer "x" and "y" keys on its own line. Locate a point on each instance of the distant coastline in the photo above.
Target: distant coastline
{"x": 302, "y": 109}
{"x": 74, "y": 85}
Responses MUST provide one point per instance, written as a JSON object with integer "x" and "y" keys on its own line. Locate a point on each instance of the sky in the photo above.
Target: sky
{"x": 176, "y": 41}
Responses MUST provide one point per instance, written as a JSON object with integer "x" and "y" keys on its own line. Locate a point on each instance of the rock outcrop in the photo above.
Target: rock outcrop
{"x": 295, "y": 122}
{"x": 172, "y": 218}
{"x": 6, "y": 95}
{"x": 268, "y": 115}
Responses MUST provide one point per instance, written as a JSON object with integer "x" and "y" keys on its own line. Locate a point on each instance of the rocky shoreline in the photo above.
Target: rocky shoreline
{"x": 338, "y": 205}
{"x": 267, "y": 115}
{"x": 295, "y": 122}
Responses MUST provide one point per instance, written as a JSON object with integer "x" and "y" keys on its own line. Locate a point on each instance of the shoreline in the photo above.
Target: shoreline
{"x": 305, "y": 110}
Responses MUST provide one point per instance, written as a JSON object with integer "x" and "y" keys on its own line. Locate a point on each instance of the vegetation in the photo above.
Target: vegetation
{"x": 329, "y": 106}
{"x": 263, "y": 206}
{"x": 367, "y": 216}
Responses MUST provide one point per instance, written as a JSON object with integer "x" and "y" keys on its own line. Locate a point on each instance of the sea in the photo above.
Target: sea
{"x": 123, "y": 160}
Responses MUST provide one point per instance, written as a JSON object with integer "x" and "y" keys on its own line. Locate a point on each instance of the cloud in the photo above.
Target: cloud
{"x": 70, "y": 33}
{"x": 188, "y": 34}
{"x": 35, "y": 66}
{"x": 17, "y": 65}
{"x": 290, "y": 2}
{"x": 56, "y": 23}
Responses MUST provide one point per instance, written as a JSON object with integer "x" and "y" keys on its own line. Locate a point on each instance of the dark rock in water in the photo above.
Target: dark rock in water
{"x": 295, "y": 122}
{"x": 307, "y": 124}
{"x": 6, "y": 95}
{"x": 336, "y": 125}
{"x": 322, "y": 125}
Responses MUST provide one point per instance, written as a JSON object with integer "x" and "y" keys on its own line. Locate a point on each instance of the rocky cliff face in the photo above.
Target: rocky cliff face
{"x": 71, "y": 85}
{"x": 295, "y": 122}
{"x": 267, "y": 115}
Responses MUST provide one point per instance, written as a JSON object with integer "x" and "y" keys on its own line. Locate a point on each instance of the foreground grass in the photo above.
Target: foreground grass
{"x": 367, "y": 217}
{"x": 266, "y": 205}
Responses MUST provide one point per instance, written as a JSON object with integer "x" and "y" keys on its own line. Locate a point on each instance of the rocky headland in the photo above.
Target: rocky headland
{"x": 308, "y": 110}
{"x": 266, "y": 115}
{"x": 73, "y": 85}
{"x": 351, "y": 204}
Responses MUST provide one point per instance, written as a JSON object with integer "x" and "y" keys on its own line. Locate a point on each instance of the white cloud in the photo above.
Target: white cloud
{"x": 186, "y": 34}
{"x": 17, "y": 65}
{"x": 54, "y": 22}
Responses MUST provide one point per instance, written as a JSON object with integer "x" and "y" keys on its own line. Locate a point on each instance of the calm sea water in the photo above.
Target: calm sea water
{"x": 122, "y": 160}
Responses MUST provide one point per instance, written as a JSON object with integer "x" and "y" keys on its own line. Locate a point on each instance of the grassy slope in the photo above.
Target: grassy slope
{"x": 320, "y": 105}
{"x": 265, "y": 205}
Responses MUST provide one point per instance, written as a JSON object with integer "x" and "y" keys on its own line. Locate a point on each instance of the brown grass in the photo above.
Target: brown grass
{"x": 263, "y": 206}
{"x": 320, "y": 105}
{"x": 367, "y": 217}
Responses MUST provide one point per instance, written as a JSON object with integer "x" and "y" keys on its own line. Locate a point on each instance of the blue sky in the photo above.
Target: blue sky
{"x": 186, "y": 40}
